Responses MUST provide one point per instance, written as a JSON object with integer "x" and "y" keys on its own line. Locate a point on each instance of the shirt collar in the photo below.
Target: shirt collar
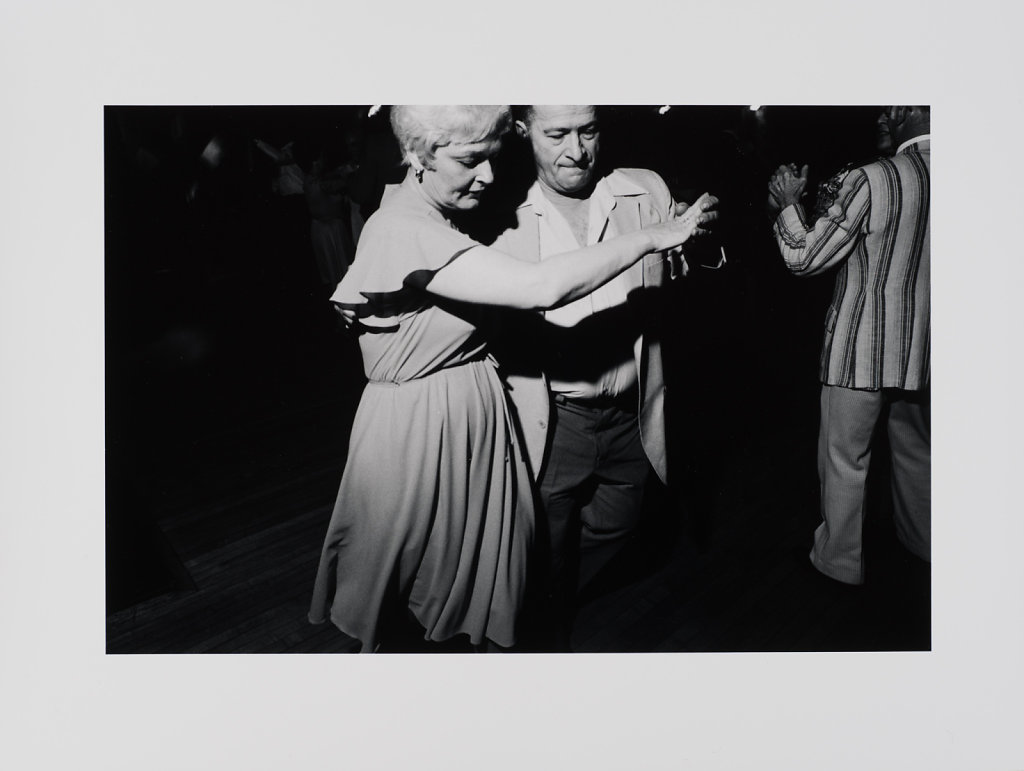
{"x": 536, "y": 199}
{"x": 621, "y": 185}
{"x": 913, "y": 140}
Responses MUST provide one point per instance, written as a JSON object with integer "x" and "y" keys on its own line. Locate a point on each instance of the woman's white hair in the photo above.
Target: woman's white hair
{"x": 421, "y": 129}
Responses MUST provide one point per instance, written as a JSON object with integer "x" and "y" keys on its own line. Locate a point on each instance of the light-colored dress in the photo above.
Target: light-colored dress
{"x": 435, "y": 508}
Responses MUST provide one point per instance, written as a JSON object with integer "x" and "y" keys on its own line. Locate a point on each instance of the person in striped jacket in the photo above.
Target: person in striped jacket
{"x": 875, "y": 360}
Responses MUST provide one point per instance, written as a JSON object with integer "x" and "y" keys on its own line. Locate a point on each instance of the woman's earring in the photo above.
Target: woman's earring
{"x": 419, "y": 176}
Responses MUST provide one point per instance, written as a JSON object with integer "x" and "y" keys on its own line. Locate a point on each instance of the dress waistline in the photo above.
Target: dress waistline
{"x": 483, "y": 357}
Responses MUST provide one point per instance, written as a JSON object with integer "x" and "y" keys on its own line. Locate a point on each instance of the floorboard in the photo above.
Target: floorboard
{"x": 240, "y": 503}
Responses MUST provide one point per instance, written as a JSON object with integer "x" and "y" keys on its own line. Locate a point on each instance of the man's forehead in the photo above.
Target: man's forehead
{"x": 564, "y": 115}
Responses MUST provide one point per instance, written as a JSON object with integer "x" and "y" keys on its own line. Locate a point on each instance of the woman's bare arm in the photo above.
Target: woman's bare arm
{"x": 489, "y": 277}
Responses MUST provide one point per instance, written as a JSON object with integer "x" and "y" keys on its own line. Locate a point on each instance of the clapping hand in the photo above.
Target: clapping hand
{"x": 786, "y": 186}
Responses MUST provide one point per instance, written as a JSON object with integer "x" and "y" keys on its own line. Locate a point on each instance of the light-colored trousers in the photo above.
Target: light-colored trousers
{"x": 848, "y": 421}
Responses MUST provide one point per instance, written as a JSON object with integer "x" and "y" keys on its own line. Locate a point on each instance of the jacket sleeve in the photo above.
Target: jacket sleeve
{"x": 833, "y": 237}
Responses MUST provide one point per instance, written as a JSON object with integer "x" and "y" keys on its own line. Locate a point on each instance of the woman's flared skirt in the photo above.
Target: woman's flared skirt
{"x": 434, "y": 512}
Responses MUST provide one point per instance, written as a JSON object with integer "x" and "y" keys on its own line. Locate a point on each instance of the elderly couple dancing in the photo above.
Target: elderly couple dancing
{"x": 515, "y": 399}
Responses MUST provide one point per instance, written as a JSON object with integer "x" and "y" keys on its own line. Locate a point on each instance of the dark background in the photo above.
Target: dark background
{"x": 230, "y": 388}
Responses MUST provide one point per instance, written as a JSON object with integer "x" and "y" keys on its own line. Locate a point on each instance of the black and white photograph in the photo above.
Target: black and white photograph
{"x": 637, "y": 462}
{"x": 578, "y": 364}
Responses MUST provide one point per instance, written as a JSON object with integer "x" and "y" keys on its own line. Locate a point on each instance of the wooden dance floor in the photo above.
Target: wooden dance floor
{"x": 216, "y": 522}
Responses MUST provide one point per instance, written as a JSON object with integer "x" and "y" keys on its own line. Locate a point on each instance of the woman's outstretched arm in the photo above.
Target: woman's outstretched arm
{"x": 489, "y": 277}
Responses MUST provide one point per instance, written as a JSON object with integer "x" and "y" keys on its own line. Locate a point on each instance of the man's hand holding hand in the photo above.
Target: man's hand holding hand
{"x": 345, "y": 316}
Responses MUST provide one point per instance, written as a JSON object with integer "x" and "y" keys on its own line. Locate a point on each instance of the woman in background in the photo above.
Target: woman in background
{"x": 433, "y": 522}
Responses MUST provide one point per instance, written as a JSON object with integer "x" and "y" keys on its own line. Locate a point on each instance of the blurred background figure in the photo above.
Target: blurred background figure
{"x": 332, "y": 233}
{"x": 376, "y": 163}
{"x": 289, "y": 177}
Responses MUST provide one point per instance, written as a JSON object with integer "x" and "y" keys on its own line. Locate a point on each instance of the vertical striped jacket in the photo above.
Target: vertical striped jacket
{"x": 878, "y": 326}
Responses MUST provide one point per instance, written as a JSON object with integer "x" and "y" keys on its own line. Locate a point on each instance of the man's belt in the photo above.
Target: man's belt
{"x": 625, "y": 401}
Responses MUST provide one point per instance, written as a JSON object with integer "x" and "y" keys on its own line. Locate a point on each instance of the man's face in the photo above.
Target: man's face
{"x": 883, "y": 138}
{"x": 565, "y": 141}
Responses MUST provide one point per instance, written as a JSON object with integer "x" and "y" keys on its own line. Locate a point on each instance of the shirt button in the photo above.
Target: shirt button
{"x": 542, "y": 424}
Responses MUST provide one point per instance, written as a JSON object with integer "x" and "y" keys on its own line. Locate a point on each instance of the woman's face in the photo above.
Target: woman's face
{"x": 459, "y": 173}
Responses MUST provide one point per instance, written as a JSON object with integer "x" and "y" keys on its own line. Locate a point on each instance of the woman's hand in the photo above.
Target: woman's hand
{"x": 691, "y": 221}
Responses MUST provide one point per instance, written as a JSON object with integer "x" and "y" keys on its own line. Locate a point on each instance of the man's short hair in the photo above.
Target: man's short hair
{"x": 525, "y": 112}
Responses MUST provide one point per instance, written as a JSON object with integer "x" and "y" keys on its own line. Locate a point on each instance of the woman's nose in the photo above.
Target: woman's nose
{"x": 484, "y": 173}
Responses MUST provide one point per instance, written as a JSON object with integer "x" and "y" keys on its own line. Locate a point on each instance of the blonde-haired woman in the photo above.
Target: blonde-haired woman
{"x": 434, "y": 518}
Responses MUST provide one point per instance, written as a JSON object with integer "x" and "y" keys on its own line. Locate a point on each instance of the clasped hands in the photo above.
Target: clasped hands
{"x": 677, "y": 264}
{"x": 786, "y": 186}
